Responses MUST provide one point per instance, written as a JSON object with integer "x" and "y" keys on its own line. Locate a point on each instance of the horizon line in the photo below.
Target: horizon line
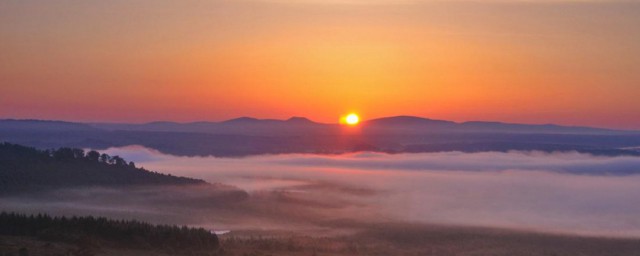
{"x": 315, "y": 122}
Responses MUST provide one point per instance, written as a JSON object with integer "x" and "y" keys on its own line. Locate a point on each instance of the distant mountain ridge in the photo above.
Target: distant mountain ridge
{"x": 241, "y": 125}
{"x": 238, "y": 125}
{"x": 484, "y": 126}
{"x": 302, "y": 125}
{"x": 407, "y": 120}
{"x": 34, "y": 124}
{"x": 251, "y": 136}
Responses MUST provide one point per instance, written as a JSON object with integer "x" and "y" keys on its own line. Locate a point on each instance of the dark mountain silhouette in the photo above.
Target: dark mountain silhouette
{"x": 247, "y": 120}
{"x": 304, "y": 126}
{"x": 251, "y": 120}
{"x": 242, "y": 125}
{"x": 251, "y": 136}
{"x": 299, "y": 120}
{"x": 42, "y": 125}
{"x": 425, "y": 125}
{"x": 480, "y": 126}
{"x": 408, "y": 121}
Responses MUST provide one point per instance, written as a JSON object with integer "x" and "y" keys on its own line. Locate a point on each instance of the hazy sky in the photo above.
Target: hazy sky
{"x": 567, "y": 62}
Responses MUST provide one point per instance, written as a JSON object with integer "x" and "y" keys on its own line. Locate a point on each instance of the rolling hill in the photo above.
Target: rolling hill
{"x": 29, "y": 169}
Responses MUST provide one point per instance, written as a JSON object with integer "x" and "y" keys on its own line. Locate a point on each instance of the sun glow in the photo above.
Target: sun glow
{"x": 352, "y": 119}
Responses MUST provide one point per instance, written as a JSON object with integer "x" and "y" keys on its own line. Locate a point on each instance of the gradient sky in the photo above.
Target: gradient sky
{"x": 565, "y": 62}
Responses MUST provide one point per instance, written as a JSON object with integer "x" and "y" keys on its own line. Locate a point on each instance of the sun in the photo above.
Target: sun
{"x": 352, "y": 119}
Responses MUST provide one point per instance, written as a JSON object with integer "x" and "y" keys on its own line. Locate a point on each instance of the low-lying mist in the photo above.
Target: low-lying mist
{"x": 551, "y": 192}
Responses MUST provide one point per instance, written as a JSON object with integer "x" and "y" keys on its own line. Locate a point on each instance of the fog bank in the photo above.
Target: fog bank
{"x": 552, "y": 192}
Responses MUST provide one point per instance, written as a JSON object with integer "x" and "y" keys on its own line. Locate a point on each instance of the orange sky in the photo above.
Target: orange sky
{"x": 566, "y": 62}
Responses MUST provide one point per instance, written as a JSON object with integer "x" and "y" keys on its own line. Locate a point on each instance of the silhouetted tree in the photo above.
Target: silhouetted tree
{"x": 105, "y": 158}
{"x": 77, "y": 153}
{"x": 93, "y": 156}
{"x": 117, "y": 160}
{"x": 63, "y": 154}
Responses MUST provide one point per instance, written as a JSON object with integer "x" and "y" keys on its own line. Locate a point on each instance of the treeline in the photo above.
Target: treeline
{"x": 25, "y": 168}
{"x": 97, "y": 232}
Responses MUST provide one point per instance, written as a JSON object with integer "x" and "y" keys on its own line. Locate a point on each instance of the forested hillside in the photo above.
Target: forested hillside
{"x": 28, "y": 169}
{"x": 90, "y": 233}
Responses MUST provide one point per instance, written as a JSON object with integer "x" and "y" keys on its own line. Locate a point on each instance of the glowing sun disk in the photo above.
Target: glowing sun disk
{"x": 352, "y": 119}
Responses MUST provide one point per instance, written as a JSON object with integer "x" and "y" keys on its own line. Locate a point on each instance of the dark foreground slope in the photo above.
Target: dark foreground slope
{"x": 429, "y": 240}
{"x": 28, "y": 169}
{"x": 59, "y": 181}
{"x": 88, "y": 235}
